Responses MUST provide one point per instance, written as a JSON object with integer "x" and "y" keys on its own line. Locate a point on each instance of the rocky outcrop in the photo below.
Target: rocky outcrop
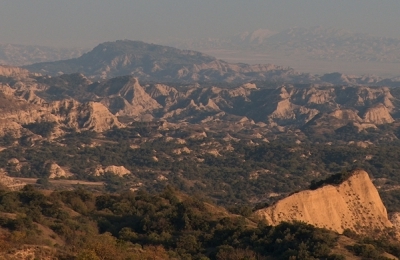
{"x": 378, "y": 114}
{"x": 10, "y": 182}
{"x": 18, "y": 109}
{"x": 395, "y": 219}
{"x": 9, "y": 71}
{"x": 288, "y": 112}
{"x": 14, "y": 164}
{"x": 117, "y": 170}
{"x": 74, "y": 102}
{"x": 56, "y": 171}
{"x": 346, "y": 114}
{"x": 354, "y": 204}
{"x": 92, "y": 116}
{"x": 95, "y": 116}
{"x": 126, "y": 97}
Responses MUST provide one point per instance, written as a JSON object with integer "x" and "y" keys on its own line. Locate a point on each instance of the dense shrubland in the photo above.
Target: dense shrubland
{"x": 168, "y": 225}
{"x": 247, "y": 174}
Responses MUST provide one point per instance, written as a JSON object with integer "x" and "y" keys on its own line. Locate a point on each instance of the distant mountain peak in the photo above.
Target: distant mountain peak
{"x": 158, "y": 63}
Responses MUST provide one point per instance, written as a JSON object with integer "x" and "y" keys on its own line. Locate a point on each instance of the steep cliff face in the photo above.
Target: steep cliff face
{"x": 124, "y": 96}
{"x": 354, "y": 204}
{"x": 95, "y": 116}
{"x": 378, "y": 114}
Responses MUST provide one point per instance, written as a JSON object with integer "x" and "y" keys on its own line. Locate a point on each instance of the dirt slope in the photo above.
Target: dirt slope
{"x": 354, "y": 204}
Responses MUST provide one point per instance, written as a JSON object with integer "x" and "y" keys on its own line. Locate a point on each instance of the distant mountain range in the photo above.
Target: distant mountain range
{"x": 314, "y": 50}
{"x": 18, "y": 55}
{"x": 151, "y": 62}
{"x": 315, "y": 43}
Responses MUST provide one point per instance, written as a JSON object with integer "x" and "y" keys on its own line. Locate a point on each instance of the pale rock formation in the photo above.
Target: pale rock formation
{"x": 161, "y": 178}
{"x": 7, "y": 127}
{"x": 319, "y": 96}
{"x": 364, "y": 126}
{"x": 87, "y": 116}
{"x": 32, "y": 98}
{"x": 395, "y": 219}
{"x": 257, "y": 135}
{"x": 14, "y": 164}
{"x": 378, "y": 114}
{"x": 13, "y": 161}
{"x": 214, "y": 152}
{"x": 25, "y": 107}
{"x": 284, "y": 93}
{"x": 285, "y": 110}
{"x": 176, "y": 140}
{"x": 9, "y": 71}
{"x": 10, "y": 182}
{"x": 139, "y": 100}
{"x": 246, "y": 120}
{"x": 363, "y": 144}
{"x": 229, "y": 138}
{"x": 354, "y": 204}
{"x": 56, "y": 172}
{"x": 130, "y": 99}
{"x": 162, "y": 90}
{"x": 346, "y": 114}
{"x": 180, "y": 141}
{"x": 198, "y": 135}
{"x": 117, "y": 170}
{"x": 240, "y": 92}
{"x": 249, "y": 86}
{"x": 193, "y": 109}
{"x": 265, "y": 140}
{"x": 183, "y": 150}
{"x": 211, "y": 106}
{"x": 98, "y": 117}
{"x": 372, "y": 95}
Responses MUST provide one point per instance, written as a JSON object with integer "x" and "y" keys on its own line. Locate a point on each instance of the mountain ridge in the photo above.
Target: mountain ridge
{"x": 157, "y": 63}
{"x": 316, "y": 42}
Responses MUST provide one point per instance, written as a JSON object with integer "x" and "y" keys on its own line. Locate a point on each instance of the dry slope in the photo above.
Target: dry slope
{"x": 354, "y": 204}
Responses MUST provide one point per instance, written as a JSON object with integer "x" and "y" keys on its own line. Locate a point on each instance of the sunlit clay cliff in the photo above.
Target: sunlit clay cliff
{"x": 354, "y": 204}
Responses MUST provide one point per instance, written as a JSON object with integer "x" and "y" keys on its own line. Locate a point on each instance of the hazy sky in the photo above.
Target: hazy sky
{"x": 85, "y": 23}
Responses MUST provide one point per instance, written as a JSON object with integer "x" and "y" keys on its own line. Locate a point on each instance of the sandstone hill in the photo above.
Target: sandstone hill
{"x": 55, "y": 171}
{"x": 117, "y": 170}
{"x": 76, "y": 102}
{"x": 353, "y": 204}
{"x": 10, "y": 71}
{"x": 20, "y": 107}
